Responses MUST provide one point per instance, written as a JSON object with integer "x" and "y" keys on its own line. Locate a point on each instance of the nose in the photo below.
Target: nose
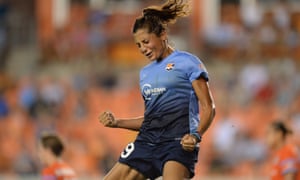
{"x": 143, "y": 49}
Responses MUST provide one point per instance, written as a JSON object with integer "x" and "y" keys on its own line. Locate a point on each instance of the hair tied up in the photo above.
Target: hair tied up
{"x": 156, "y": 18}
{"x": 149, "y": 12}
{"x": 153, "y": 14}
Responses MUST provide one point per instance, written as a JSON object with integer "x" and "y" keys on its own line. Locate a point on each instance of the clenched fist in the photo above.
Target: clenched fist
{"x": 188, "y": 142}
{"x": 108, "y": 119}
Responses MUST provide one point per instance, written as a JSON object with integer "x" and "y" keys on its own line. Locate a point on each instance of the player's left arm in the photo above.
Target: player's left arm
{"x": 207, "y": 109}
{"x": 207, "y": 105}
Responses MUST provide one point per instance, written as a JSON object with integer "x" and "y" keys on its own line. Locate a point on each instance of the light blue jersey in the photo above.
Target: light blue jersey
{"x": 171, "y": 105}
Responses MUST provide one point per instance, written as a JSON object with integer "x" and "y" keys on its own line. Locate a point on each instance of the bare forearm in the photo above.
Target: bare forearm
{"x": 206, "y": 118}
{"x": 207, "y": 105}
{"x": 130, "y": 124}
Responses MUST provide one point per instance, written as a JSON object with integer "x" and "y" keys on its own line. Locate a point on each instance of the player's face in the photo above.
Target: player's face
{"x": 43, "y": 154}
{"x": 150, "y": 45}
{"x": 273, "y": 137}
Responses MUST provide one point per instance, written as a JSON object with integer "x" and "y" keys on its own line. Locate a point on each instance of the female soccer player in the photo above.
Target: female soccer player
{"x": 50, "y": 149}
{"x": 172, "y": 85}
{"x": 286, "y": 160}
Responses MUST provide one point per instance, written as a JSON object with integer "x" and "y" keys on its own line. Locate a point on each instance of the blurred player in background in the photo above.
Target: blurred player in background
{"x": 50, "y": 150}
{"x": 172, "y": 85}
{"x": 286, "y": 159}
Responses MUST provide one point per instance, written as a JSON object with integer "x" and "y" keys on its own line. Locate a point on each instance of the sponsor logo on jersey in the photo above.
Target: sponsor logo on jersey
{"x": 148, "y": 91}
{"x": 170, "y": 66}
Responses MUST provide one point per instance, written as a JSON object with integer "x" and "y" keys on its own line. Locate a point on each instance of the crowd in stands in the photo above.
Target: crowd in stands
{"x": 253, "y": 59}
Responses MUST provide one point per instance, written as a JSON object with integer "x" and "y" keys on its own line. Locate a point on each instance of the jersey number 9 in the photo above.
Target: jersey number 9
{"x": 128, "y": 150}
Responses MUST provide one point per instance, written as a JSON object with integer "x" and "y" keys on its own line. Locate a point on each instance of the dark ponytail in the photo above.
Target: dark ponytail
{"x": 156, "y": 18}
{"x": 281, "y": 127}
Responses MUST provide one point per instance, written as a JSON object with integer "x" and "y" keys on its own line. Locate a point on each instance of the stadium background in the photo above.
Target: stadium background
{"x": 62, "y": 62}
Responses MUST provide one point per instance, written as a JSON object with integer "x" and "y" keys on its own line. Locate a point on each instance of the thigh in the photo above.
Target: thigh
{"x": 173, "y": 157}
{"x": 139, "y": 156}
{"x": 123, "y": 172}
{"x": 173, "y": 170}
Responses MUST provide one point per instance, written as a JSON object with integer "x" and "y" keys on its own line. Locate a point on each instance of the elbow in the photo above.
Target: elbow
{"x": 213, "y": 114}
{"x": 210, "y": 110}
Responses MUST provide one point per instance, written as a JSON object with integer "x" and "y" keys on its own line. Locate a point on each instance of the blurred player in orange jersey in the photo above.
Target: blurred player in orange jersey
{"x": 50, "y": 149}
{"x": 285, "y": 160}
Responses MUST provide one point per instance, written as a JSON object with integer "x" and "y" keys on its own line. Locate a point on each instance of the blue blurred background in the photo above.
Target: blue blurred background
{"x": 63, "y": 62}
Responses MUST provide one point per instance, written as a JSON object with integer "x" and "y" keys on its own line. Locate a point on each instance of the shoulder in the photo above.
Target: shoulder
{"x": 188, "y": 60}
{"x": 60, "y": 169}
{"x": 50, "y": 170}
{"x": 289, "y": 151}
{"x": 148, "y": 67}
{"x": 187, "y": 55}
{"x": 63, "y": 169}
{"x": 293, "y": 149}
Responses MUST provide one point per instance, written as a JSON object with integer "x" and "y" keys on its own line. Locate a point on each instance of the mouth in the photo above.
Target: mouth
{"x": 148, "y": 55}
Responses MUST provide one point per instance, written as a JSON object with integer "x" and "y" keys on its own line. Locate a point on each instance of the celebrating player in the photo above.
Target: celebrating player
{"x": 50, "y": 149}
{"x": 172, "y": 85}
{"x": 286, "y": 159}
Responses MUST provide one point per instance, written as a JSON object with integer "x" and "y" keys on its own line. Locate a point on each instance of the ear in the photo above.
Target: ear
{"x": 163, "y": 35}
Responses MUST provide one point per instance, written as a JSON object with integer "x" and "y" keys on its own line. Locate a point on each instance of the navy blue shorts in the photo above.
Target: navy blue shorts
{"x": 149, "y": 159}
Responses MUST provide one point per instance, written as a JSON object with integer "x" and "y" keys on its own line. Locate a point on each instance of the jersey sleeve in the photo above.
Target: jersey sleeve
{"x": 196, "y": 69}
{"x": 289, "y": 166}
{"x": 48, "y": 174}
{"x": 289, "y": 163}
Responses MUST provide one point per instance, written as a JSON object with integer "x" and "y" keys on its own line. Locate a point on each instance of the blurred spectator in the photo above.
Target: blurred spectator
{"x": 50, "y": 150}
{"x": 97, "y": 39}
{"x": 294, "y": 113}
{"x": 5, "y": 83}
{"x": 28, "y": 94}
{"x": 253, "y": 77}
{"x": 282, "y": 14}
{"x": 51, "y": 94}
{"x": 225, "y": 136}
{"x": 285, "y": 156}
{"x": 25, "y": 164}
{"x": 251, "y": 15}
{"x": 4, "y": 41}
{"x": 3, "y": 107}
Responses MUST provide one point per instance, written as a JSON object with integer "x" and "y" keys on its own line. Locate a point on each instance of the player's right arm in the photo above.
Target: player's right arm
{"x": 108, "y": 120}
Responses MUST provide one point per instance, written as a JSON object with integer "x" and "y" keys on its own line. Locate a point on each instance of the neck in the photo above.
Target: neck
{"x": 52, "y": 160}
{"x": 279, "y": 145}
{"x": 169, "y": 50}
